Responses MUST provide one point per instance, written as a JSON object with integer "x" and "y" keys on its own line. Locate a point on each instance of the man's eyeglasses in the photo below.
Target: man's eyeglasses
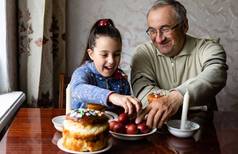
{"x": 152, "y": 32}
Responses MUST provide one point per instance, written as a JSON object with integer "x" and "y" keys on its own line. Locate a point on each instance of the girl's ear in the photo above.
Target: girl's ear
{"x": 90, "y": 53}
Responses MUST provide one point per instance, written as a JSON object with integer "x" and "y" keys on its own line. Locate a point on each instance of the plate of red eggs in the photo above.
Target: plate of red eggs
{"x": 125, "y": 128}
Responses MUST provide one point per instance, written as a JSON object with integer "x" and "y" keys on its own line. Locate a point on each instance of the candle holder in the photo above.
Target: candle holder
{"x": 189, "y": 129}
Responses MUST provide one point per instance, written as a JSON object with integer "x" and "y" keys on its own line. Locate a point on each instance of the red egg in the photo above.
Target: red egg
{"x": 123, "y": 118}
{"x": 131, "y": 129}
{"x": 119, "y": 128}
{"x": 143, "y": 128}
{"x": 112, "y": 124}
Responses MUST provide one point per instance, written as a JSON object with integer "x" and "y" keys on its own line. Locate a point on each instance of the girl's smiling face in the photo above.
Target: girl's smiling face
{"x": 106, "y": 55}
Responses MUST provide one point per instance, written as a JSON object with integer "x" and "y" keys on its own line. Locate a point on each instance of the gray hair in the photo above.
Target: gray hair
{"x": 180, "y": 10}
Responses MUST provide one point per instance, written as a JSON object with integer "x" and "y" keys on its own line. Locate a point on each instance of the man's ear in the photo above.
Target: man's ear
{"x": 185, "y": 26}
{"x": 90, "y": 53}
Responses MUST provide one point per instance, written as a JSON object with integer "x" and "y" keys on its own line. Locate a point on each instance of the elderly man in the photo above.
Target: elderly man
{"x": 173, "y": 62}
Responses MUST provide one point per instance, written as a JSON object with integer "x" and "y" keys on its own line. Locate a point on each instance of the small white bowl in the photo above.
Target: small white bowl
{"x": 190, "y": 128}
{"x": 58, "y": 122}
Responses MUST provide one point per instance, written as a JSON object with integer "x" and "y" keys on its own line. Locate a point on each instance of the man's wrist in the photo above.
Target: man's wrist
{"x": 177, "y": 96}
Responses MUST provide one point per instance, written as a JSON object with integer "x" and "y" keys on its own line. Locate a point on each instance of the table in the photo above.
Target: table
{"x": 33, "y": 132}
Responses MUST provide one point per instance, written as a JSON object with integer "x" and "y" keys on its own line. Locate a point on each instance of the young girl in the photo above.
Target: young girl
{"x": 99, "y": 80}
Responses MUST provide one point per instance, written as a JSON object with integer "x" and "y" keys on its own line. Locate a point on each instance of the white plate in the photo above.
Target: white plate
{"x": 58, "y": 121}
{"x": 132, "y": 137}
{"x": 60, "y": 145}
{"x": 111, "y": 115}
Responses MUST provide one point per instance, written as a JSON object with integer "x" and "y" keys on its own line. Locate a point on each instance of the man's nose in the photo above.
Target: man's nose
{"x": 159, "y": 37}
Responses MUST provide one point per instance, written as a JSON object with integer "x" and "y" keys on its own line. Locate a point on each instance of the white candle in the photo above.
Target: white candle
{"x": 68, "y": 98}
{"x": 184, "y": 110}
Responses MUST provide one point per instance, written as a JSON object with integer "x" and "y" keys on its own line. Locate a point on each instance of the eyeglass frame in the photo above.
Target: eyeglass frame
{"x": 162, "y": 29}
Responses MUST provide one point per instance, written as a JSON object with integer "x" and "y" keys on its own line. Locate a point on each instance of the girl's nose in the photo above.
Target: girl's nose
{"x": 110, "y": 59}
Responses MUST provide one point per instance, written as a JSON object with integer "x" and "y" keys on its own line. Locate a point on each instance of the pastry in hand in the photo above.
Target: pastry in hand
{"x": 153, "y": 96}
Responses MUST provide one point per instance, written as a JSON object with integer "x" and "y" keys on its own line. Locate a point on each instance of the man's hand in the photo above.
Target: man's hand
{"x": 160, "y": 110}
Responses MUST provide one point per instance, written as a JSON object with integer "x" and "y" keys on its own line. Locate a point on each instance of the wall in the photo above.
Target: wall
{"x": 215, "y": 18}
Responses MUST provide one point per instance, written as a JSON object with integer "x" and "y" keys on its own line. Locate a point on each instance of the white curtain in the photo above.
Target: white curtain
{"x": 32, "y": 48}
{"x": 8, "y": 71}
{"x": 41, "y": 30}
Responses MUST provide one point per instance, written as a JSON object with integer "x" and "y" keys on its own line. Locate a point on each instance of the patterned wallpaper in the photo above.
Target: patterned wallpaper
{"x": 214, "y": 18}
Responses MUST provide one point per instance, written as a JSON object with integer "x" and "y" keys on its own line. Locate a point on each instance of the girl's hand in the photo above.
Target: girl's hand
{"x": 129, "y": 103}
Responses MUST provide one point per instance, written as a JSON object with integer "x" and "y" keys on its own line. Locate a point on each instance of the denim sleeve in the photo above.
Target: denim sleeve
{"x": 83, "y": 91}
{"x": 127, "y": 88}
